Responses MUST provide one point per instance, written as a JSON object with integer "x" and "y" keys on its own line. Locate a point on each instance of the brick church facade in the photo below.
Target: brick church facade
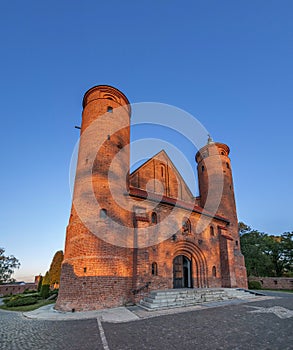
{"x": 132, "y": 233}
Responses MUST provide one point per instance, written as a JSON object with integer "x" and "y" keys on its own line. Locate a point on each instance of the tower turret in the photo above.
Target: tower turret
{"x": 215, "y": 180}
{"x": 96, "y": 270}
{"x": 217, "y": 195}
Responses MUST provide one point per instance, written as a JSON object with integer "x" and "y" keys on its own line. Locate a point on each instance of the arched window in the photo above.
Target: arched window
{"x": 103, "y": 213}
{"x": 154, "y": 269}
{"x": 110, "y": 109}
{"x": 214, "y": 271}
{"x": 227, "y": 165}
{"x": 212, "y": 232}
{"x": 154, "y": 218}
{"x": 202, "y": 168}
{"x": 186, "y": 226}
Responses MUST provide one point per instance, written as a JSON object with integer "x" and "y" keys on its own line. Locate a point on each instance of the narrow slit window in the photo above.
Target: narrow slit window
{"x": 162, "y": 171}
{"x": 154, "y": 218}
{"x": 214, "y": 271}
{"x": 154, "y": 269}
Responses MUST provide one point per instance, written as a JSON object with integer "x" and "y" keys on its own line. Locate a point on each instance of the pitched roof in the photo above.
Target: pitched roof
{"x": 163, "y": 155}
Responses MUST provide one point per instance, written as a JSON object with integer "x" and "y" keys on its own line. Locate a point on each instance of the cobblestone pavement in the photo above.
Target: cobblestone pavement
{"x": 266, "y": 324}
{"x": 20, "y": 333}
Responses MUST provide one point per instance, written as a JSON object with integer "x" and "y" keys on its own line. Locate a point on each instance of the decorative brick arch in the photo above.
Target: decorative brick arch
{"x": 198, "y": 260}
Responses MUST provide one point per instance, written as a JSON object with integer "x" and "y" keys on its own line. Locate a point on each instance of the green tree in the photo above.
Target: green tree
{"x": 40, "y": 283}
{"x": 287, "y": 241}
{"x": 55, "y": 268}
{"x": 253, "y": 247}
{"x": 46, "y": 279}
{"x": 7, "y": 266}
{"x": 45, "y": 289}
{"x": 243, "y": 228}
{"x": 280, "y": 250}
{"x": 266, "y": 255}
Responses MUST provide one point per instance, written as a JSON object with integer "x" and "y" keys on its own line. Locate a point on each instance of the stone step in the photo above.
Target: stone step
{"x": 160, "y": 299}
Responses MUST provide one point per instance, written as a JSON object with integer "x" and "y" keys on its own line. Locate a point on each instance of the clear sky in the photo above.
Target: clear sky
{"x": 228, "y": 63}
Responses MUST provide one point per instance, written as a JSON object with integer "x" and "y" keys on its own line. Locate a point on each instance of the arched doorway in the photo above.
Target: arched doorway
{"x": 182, "y": 272}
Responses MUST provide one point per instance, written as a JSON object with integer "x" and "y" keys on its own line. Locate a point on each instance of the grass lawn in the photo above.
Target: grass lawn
{"x": 28, "y": 307}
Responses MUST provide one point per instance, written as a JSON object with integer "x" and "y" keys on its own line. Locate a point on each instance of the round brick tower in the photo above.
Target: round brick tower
{"x": 215, "y": 180}
{"x": 96, "y": 271}
{"x": 217, "y": 196}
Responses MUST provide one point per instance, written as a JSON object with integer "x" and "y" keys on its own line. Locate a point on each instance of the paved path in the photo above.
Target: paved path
{"x": 18, "y": 332}
{"x": 263, "y": 324}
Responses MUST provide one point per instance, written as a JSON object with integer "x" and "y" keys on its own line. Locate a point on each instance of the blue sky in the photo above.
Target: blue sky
{"x": 228, "y": 63}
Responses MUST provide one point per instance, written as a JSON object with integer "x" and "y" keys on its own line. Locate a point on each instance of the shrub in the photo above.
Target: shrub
{"x": 21, "y": 301}
{"x": 12, "y": 298}
{"x": 54, "y": 291}
{"x": 254, "y": 285}
{"x": 29, "y": 291}
{"x": 45, "y": 291}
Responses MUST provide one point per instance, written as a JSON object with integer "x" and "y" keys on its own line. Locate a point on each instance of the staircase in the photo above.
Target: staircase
{"x": 170, "y": 298}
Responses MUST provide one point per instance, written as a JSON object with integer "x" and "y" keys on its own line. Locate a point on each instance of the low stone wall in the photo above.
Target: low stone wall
{"x": 274, "y": 282}
{"x": 7, "y": 289}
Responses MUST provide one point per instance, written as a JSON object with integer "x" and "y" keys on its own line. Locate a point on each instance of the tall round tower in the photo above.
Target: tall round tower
{"x": 96, "y": 271}
{"x": 215, "y": 180}
{"x": 217, "y": 196}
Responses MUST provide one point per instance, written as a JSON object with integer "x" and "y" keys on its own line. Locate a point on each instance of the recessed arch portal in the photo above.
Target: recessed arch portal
{"x": 198, "y": 264}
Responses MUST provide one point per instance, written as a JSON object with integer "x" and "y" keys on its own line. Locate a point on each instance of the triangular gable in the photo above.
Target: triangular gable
{"x": 159, "y": 175}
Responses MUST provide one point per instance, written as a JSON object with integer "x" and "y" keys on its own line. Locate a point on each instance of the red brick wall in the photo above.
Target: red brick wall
{"x": 216, "y": 180}
{"x": 101, "y": 268}
{"x": 7, "y": 289}
{"x": 274, "y": 282}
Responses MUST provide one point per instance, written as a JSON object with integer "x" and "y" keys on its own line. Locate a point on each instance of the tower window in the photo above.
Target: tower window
{"x": 236, "y": 243}
{"x": 154, "y": 269}
{"x": 212, "y": 232}
{"x": 110, "y": 109}
{"x": 162, "y": 171}
{"x": 103, "y": 213}
{"x": 214, "y": 271}
{"x": 227, "y": 165}
{"x": 154, "y": 218}
{"x": 202, "y": 168}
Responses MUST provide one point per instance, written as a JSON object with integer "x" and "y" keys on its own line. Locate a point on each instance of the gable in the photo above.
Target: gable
{"x": 159, "y": 175}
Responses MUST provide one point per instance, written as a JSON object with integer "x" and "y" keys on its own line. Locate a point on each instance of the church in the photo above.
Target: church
{"x": 132, "y": 233}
